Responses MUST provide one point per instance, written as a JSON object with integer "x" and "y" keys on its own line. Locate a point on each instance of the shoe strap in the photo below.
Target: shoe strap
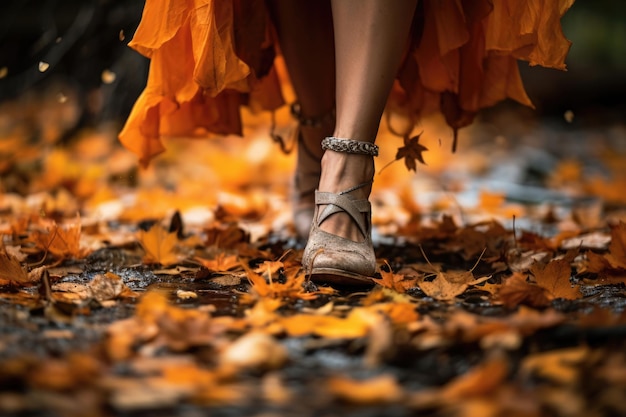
{"x": 336, "y": 203}
{"x": 317, "y": 121}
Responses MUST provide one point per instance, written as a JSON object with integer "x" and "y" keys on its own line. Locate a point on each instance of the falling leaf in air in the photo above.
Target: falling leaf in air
{"x": 43, "y": 66}
{"x": 410, "y": 152}
{"x": 159, "y": 244}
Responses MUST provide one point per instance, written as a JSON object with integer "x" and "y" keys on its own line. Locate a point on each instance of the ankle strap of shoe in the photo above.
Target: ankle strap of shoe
{"x": 296, "y": 112}
{"x": 349, "y": 146}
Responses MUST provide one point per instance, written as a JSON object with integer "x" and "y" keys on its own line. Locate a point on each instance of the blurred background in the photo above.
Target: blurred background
{"x": 82, "y": 43}
{"x": 68, "y": 81}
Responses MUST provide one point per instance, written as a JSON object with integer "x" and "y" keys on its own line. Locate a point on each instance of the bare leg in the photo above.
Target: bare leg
{"x": 370, "y": 37}
{"x": 305, "y": 34}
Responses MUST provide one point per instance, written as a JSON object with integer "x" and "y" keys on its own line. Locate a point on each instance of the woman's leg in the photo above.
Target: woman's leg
{"x": 370, "y": 38}
{"x": 305, "y": 36}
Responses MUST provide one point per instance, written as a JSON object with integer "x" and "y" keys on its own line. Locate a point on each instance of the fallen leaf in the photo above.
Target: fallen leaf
{"x": 226, "y": 236}
{"x": 555, "y": 278}
{"x": 397, "y": 282}
{"x": 221, "y": 263}
{"x": 109, "y": 286}
{"x": 481, "y": 380}
{"x": 516, "y": 290}
{"x": 448, "y": 285}
{"x": 356, "y": 324}
{"x": 62, "y": 241}
{"x": 382, "y": 389}
{"x": 293, "y": 286}
{"x": 159, "y": 245}
{"x": 254, "y": 350}
{"x": 617, "y": 247}
{"x": 11, "y": 271}
{"x": 559, "y": 366}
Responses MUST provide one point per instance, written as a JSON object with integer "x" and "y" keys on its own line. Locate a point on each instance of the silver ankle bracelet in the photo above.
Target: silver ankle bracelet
{"x": 349, "y": 146}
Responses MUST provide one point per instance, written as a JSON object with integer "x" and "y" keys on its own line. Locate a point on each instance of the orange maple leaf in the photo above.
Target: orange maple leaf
{"x": 221, "y": 263}
{"x": 61, "y": 241}
{"x": 396, "y": 282}
{"x": 159, "y": 245}
{"x": 271, "y": 288}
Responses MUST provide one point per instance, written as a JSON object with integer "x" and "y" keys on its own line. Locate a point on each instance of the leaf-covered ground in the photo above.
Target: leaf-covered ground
{"x": 178, "y": 290}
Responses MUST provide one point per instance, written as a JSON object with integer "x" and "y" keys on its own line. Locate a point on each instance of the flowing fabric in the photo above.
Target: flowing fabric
{"x": 210, "y": 57}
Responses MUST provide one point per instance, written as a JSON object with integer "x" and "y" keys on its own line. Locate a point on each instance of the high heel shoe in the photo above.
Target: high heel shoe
{"x": 308, "y": 170}
{"x": 335, "y": 259}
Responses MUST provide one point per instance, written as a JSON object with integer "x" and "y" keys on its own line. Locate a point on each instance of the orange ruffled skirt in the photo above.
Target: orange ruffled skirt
{"x": 210, "y": 57}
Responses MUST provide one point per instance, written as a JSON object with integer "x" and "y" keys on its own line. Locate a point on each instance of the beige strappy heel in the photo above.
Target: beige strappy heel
{"x": 331, "y": 258}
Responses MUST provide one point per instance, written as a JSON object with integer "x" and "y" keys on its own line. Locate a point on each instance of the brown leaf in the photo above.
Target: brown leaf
{"x": 226, "y": 236}
{"x": 109, "y": 286}
{"x": 11, "y": 271}
{"x": 447, "y": 285}
{"x": 411, "y": 151}
{"x": 555, "y": 278}
{"x": 517, "y": 290}
{"x": 617, "y": 248}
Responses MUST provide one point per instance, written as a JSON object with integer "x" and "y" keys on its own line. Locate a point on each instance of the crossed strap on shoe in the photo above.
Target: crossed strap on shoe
{"x": 334, "y": 259}
{"x": 336, "y": 203}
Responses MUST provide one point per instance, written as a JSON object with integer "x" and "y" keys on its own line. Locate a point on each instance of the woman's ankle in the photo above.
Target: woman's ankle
{"x": 342, "y": 171}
